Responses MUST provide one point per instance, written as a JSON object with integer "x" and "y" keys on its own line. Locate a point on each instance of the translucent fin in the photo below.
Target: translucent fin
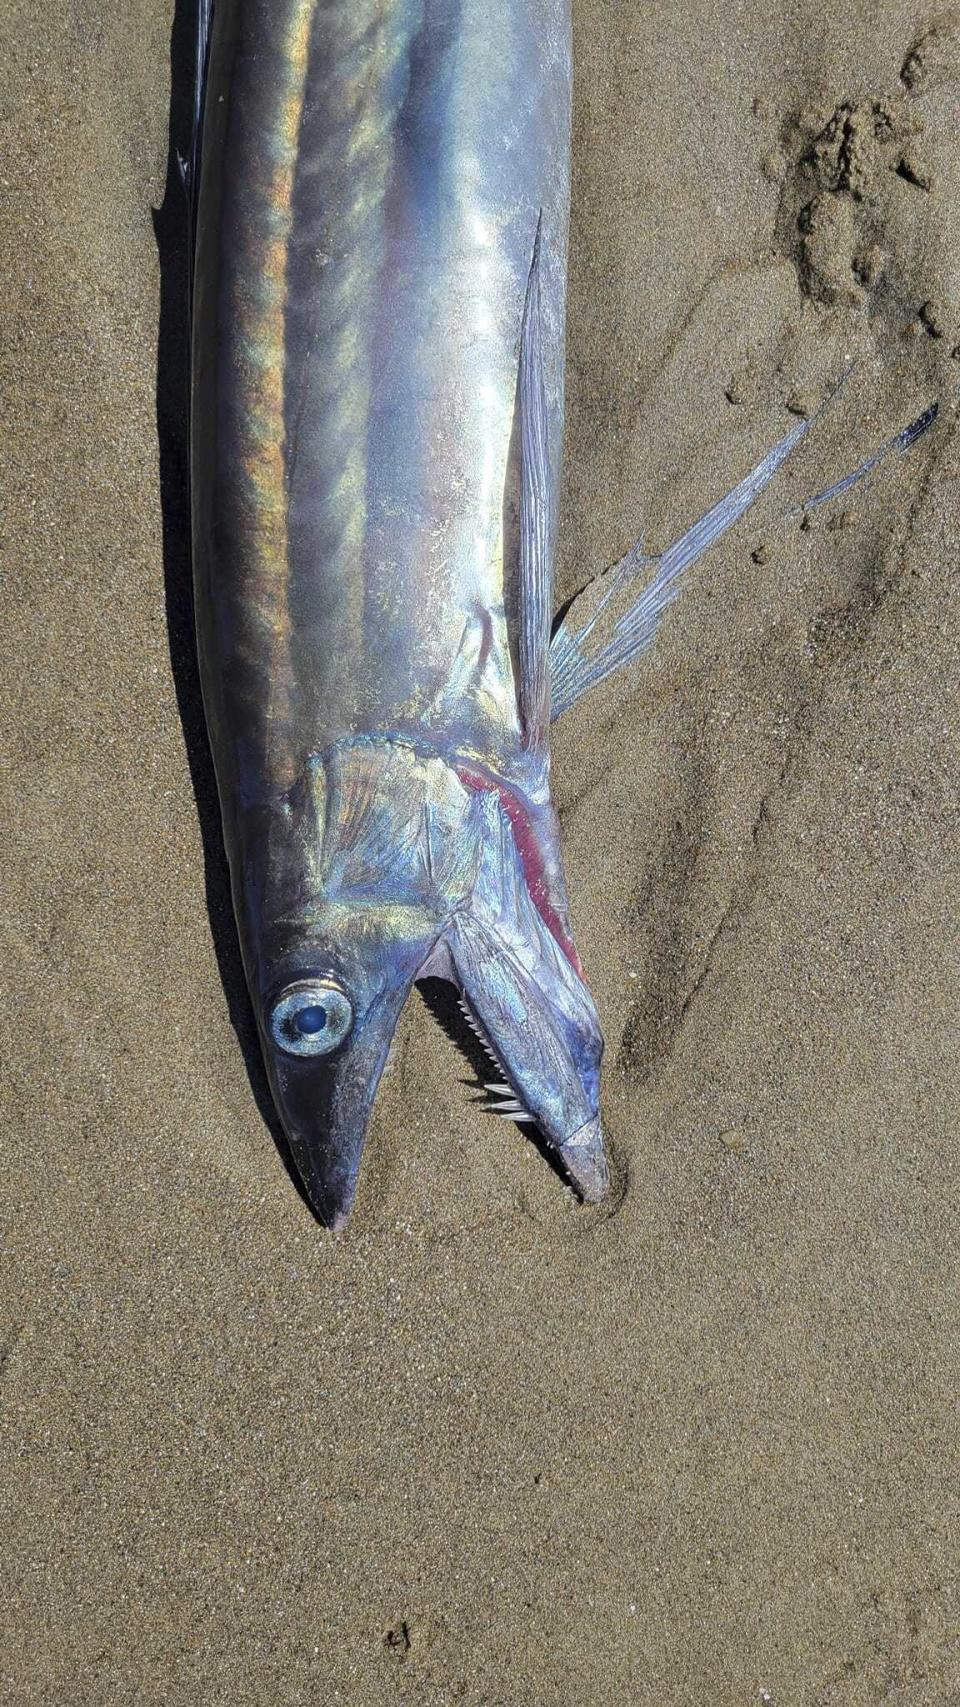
{"x": 576, "y": 668}
{"x": 900, "y": 442}
{"x": 189, "y": 166}
{"x": 536, "y": 523}
{"x": 204, "y": 21}
{"x": 190, "y": 163}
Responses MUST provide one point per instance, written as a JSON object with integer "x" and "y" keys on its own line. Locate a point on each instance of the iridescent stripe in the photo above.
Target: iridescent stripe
{"x": 260, "y": 306}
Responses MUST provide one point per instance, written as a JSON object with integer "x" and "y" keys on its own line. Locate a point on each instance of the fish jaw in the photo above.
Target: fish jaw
{"x": 584, "y": 1159}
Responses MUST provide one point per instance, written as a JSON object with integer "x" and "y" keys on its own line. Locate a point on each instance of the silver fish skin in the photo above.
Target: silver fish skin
{"x": 377, "y": 357}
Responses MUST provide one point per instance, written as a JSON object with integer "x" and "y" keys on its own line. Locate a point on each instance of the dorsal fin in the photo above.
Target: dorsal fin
{"x": 536, "y": 523}
{"x": 190, "y": 162}
{"x": 204, "y": 21}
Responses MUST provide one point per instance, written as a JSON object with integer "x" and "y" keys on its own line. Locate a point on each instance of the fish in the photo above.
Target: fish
{"x": 379, "y": 194}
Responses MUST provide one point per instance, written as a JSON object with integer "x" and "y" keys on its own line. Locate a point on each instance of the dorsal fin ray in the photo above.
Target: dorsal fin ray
{"x": 536, "y": 523}
{"x": 190, "y": 162}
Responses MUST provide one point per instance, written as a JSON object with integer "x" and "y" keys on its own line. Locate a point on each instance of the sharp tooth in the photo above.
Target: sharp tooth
{"x": 477, "y": 1030}
{"x": 511, "y": 1106}
{"x": 499, "y": 1090}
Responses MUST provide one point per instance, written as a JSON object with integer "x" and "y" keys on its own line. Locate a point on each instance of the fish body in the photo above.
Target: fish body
{"x": 378, "y": 322}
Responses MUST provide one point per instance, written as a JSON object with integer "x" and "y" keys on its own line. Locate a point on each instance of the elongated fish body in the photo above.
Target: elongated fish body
{"x": 381, "y": 230}
{"x": 380, "y": 203}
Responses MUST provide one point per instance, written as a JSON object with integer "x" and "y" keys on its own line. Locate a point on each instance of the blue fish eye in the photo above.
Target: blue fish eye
{"x": 311, "y": 1017}
{"x": 311, "y": 1020}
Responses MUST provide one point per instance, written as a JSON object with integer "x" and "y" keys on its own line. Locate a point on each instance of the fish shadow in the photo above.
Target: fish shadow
{"x": 172, "y": 237}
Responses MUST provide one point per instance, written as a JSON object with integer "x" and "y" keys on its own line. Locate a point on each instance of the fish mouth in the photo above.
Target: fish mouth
{"x": 582, "y": 1156}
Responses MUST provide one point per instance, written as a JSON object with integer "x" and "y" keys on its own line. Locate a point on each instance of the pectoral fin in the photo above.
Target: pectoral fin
{"x": 577, "y": 664}
{"x": 900, "y": 442}
{"x": 579, "y": 661}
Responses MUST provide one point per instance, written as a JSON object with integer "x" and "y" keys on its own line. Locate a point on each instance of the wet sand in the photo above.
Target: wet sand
{"x": 489, "y": 1447}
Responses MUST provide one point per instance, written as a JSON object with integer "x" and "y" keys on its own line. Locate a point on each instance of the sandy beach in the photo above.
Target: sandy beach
{"x": 698, "y": 1447}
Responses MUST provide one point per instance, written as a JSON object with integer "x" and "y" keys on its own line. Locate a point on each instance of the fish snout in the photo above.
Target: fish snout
{"x": 585, "y": 1160}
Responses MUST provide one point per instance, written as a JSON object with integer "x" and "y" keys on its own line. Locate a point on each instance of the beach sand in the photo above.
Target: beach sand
{"x": 699, "y": 1446}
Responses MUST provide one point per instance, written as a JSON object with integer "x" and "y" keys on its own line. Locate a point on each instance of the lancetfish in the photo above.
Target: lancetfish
{"x": 379, "y": 194}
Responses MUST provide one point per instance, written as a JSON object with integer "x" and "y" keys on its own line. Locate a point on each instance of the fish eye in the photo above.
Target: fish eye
{"x": 311, "y": 1017}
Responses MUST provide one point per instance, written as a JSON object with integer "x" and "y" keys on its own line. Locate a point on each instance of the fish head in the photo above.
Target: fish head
{"x": 381, "y": 867}
{"x": 350, "y": 883}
